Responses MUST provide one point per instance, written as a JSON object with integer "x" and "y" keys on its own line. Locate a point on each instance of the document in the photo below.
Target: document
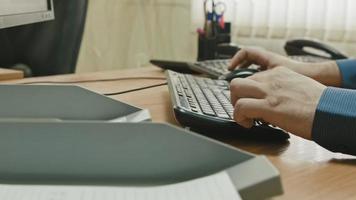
{"x": 140, "y": 116}
{"x": 11, "y": 7}
{"x": 214, "y": 187}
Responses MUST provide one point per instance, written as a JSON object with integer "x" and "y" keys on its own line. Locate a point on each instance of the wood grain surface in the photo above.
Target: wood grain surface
{"x": 9, "y": 74}
{"x": 307, "y": 170}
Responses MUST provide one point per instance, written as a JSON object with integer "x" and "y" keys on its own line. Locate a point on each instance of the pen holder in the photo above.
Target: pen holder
{"x": 224, "y": 34}
{"x": 207, "y": 48}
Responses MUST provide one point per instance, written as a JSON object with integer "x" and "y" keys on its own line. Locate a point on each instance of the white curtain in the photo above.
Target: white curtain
{"x": 330, "y": 20}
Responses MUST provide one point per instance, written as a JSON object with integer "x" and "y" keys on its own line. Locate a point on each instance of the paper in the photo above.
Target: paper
{"x": 140, "y": 116}
{"x": 215, "y": 187}
{"x": 12, "y": 7}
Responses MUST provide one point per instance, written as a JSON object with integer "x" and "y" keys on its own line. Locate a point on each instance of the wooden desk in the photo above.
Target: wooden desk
{"x": 307, "y": 170}
{"x": 9, "y": 74}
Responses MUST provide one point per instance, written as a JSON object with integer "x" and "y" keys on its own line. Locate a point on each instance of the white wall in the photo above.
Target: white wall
{"x": 127, "y": 33}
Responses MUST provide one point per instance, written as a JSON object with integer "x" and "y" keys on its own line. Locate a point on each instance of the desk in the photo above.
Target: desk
{"x": 9, "y": 74}
{"x": 307, "y": 170}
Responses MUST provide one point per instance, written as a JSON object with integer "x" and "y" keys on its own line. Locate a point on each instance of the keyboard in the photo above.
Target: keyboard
{"x": 204, "y": 105}
{"x": 217, "y": 68}
{"x": 212, "y": 68}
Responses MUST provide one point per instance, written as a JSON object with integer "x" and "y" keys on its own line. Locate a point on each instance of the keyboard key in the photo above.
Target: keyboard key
{"x": 194, "y": 110}
{"x": 208, "y": 111}
{"x": 227, "y": 94}
{"x": 220, "y": 112}
{"x": 183, "y": 102}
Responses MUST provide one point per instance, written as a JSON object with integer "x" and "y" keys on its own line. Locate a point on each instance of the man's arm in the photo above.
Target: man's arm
{"x": 348, "y": 73}
{"x": 299, "y": 105}
{"x": 278, "y": 96}
{"x": 327, "y": 73}
{"x": 334, "y": 125}
{"x": 293, "y": 102}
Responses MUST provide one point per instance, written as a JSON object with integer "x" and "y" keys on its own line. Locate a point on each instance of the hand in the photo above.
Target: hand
{"x": 280, "y": 97}
{"x": 265, "y": 59}
{"x": 326, "y": 73}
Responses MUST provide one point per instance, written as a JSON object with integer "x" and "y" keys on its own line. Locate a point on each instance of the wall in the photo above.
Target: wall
{"x": 127, "y": 33}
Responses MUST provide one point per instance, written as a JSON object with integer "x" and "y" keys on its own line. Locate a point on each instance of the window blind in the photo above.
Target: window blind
{"x": 330, "y": 20}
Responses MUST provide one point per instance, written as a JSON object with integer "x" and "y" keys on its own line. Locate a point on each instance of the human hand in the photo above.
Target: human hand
{"x": 326, "y": 73}
{"x": 280, "y": 97}
{"x": 265, "y": 59}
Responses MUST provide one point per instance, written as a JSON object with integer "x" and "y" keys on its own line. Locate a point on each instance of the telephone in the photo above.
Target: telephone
{"x": 312, "y": 48}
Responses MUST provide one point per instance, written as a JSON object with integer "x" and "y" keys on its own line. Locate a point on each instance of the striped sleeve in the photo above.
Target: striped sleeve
{"x": 348, "y": 73}
{"x": 334, "y": 125}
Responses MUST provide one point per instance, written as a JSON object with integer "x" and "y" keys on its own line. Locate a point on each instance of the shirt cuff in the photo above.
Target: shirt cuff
{"x": 334, "y": 125}
{"x": 348, "y": 72}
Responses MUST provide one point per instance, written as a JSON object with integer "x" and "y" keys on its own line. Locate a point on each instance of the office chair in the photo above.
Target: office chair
{"x": 47, "y": 48}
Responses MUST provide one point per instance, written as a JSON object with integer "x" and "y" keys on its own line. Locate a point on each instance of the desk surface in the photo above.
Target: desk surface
{"x": 9, "y": 74}
{"x": 307, "y": 170}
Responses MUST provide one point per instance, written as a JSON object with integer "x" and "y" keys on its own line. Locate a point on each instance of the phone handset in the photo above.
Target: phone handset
{"x": 305, "y": 47}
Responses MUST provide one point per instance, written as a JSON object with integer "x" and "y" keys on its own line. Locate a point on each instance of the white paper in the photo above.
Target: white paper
{"x": 12, "y": 7}
{"x": 215, "y": 187}
{"x": 140, "y": 116}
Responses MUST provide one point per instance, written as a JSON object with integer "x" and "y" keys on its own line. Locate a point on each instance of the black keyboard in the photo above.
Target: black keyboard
{"x": 204, "y": 105}
{"x": 213, "y": 68}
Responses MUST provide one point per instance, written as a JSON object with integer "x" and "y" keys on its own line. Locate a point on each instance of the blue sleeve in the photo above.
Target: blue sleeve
{"x": 334, "y": 125}
{"x": 348, "y": 73}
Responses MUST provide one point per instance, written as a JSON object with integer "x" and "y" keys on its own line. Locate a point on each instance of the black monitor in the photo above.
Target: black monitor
{"x": 21, "y": 12}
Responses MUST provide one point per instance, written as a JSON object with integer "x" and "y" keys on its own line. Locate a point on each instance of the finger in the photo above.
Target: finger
{"x": 245, "y": 64}
{"x": 252, "y": 56}
{"x": 263, "y": 76}
{"x": 246, "y": 123}
{"x": 246, "y": 88}
{"x": 238, "y": 59}
{"x": 248, "y": 109}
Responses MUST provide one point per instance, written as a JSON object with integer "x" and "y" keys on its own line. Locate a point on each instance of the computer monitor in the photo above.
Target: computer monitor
{"x": 21, "y": 12}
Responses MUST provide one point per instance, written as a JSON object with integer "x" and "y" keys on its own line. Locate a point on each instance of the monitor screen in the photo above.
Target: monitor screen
{"x": 20, "y": 12}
